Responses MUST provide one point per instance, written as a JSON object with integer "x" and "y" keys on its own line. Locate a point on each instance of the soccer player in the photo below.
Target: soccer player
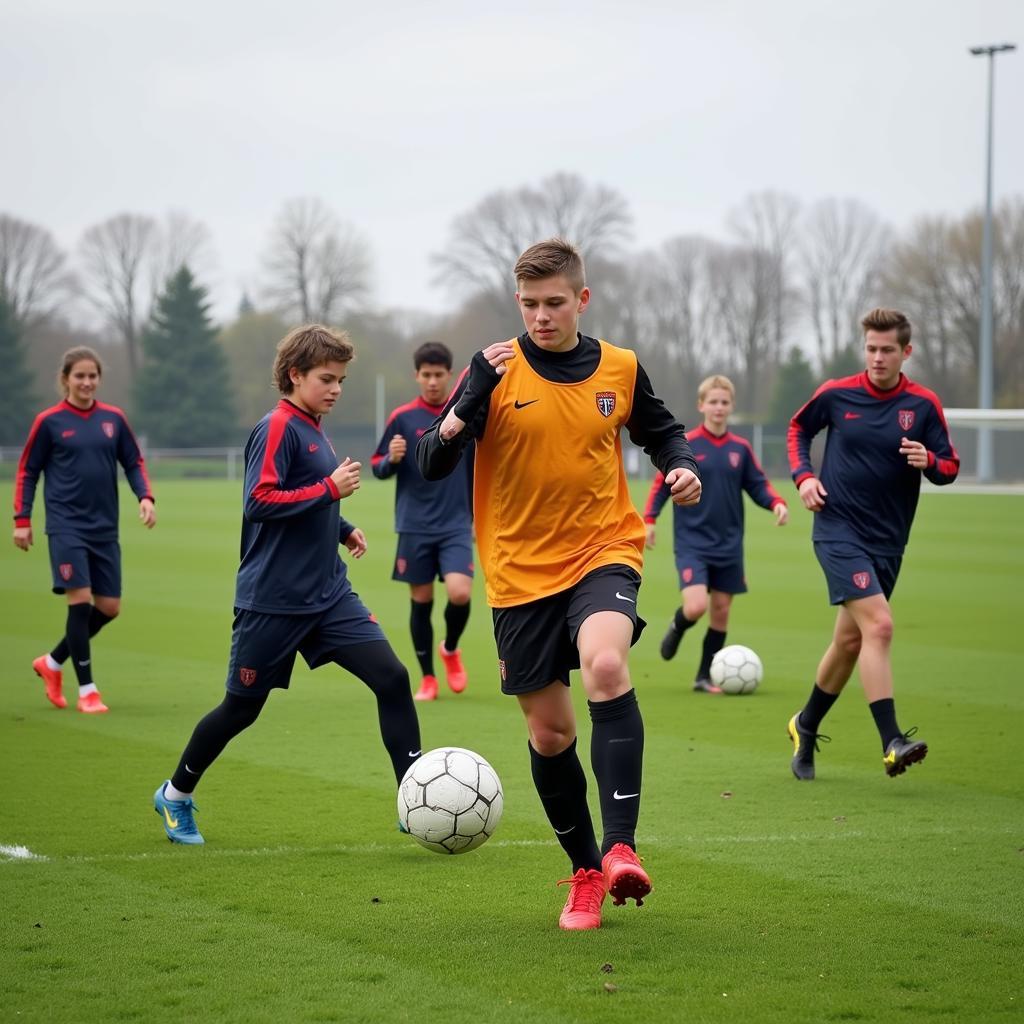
{"x": 708, "y": 538}
{"x": 77, "y": 445}
{"x": 884, "y": 433}
{"x": 292, "y": 593}
{"x": 562, "y": 549}
{"x": 433, "y": 522}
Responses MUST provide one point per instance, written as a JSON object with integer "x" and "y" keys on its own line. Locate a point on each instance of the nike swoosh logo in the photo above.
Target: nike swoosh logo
{"x": 558, "y": 832}
{"x": 172, "y": 822}
{"x": 622, "y": 597}
{"x": 415, "y": 753}
{"x": 851, "y": 416}
{"x": 523, "y": 405}
{"x": 88, "y": 661}
{"x": 191, "y": 771}
{"x": 624, "y": 796}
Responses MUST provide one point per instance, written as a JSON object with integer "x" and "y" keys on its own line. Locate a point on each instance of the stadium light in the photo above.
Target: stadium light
{"x": 985, "y": 362}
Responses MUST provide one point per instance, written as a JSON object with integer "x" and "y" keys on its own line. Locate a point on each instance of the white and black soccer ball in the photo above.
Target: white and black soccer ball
{"x": 736, "y": 669}
{"x": 450, "y": 800}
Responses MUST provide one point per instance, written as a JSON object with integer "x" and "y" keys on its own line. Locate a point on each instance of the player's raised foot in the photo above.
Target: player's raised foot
{"x": 53, "y": 680}
{"x": 92, "y": 704}
{"x": 670, "y": 642}
{"x": 704, "y": 685}
{"x": 582, "y": 908}
{"x": 453, "y": 668}
{"x": 427, "y": 690}
{"x": 902, "y": 752}
{"x": 178, "y": 818}
{"x": 624, "y": 876}
{"x": 805, "y": 743}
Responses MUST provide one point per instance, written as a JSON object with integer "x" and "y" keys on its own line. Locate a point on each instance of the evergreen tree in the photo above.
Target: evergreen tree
{"x": 182, "y": 394}
{"x": 845, "y": 363}
{"x": 794, "y": 385}
{"x": 17, "y": 398}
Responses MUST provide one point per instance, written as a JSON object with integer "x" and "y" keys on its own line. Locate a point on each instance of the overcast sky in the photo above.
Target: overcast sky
{"x": 402, "y": 115}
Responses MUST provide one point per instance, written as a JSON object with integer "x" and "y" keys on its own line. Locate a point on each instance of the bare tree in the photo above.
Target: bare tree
{"x": 116, "y": 255}
{"x": 179, "y": 241}
{"x": 317, "y": 266}
{"x": 842, "y": 252}
{"x": 485, "y": 241}
{"x": 33, "y": 275}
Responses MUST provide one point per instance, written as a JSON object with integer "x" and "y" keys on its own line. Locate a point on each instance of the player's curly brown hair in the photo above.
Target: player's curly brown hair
{"x": 888, "y": 320}
{"x": 548, "y": 258}
{"x": 308, "y": 346}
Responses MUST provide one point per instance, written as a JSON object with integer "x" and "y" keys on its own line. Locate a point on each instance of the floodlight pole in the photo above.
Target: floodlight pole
{"x": 985, "y": 360}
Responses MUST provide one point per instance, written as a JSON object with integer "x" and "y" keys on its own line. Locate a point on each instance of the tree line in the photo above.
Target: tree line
{"x": 775, "y": 303}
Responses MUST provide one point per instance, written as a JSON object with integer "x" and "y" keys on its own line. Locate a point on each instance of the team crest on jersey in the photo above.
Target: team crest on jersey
{"x": 108, "y": 428}
{"x": 861, "y": 580}
{"x": 734, "y": 460}
{"x": 313, "y": 448}
{"x": 687, "y": 574}
{"x": 67, "y": 433}
{"x": 67, "y": 570}
{"x": 247, "y": 675}
{"x": 373, "y": 618}
{"x": 906, "y": 418}
{"x": 502, "y": 670}
{"x": 400, "y": 565}
{"x": 605, "y": 402}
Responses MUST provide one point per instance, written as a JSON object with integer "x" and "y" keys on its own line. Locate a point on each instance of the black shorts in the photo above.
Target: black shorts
{"x": 424, "y": 557}
{"x": 264, "y": 645}
{"x": 537, "y": 641}
{"x": 695, "y": 570}
{"x": 78, "y": 562}
{"x": 851, "y": 573}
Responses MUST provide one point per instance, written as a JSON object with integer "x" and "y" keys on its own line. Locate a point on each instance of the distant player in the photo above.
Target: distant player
{"x": 433, "y": 522}
{"x": 77, "y": 445}
{"x": 708, "y": 538}
{"x": 562, "y": 549}
{"x": 292, "y": 594}
{"x": 884, "y": 433}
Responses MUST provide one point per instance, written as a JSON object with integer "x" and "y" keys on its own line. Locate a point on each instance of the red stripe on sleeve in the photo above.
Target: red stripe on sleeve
{"x": 268, "y": 488}
{"x": 649, "y": 516}
{"x": 19, "y": 479}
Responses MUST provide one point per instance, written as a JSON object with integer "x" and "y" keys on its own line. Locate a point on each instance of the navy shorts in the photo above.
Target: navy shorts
{"x": 695, "y": 571}
{"x": 851, "y": 573}
{"x": 264, "y": 645}
{"x": 77, "y": 562}
{"x": 424, "y": 557}
{"x": 537, "y": 641}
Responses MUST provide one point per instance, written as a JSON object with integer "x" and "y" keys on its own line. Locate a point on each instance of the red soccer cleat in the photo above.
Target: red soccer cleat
{"x": 91, "y": 704}
{"x": 427, "y": 690}
{"x": 625, "y": 878}
{"x": 453, "y": 669}
{"x": 53, "y": 678}
{"x": 582, "y": 909}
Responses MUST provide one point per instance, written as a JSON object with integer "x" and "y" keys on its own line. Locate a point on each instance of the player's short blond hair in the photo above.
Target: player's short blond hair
{"x": 308, "y": 346}
{"x": 549, "y": 258}
{"x": 716, "y": 380}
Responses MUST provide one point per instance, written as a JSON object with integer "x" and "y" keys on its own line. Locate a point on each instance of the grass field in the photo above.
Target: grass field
{"x": 854, "y": 898}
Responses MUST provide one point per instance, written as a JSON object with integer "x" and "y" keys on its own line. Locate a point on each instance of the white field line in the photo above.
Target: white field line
{"x": 10, "y": 853}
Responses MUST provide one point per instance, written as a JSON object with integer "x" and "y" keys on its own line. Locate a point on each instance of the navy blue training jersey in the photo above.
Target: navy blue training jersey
{"x": 291, "y": 528}
{"x": 872, "y": 491}
{"x": 714, "y": 528}
{"x": 423, "y": 506}
{"x": 77, "y": 451}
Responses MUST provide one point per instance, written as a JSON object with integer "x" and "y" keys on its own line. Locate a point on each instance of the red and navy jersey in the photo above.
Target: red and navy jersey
{"x": 77, "y": 451}
{"x": 291, "y": 527}
{"x": 872, "y": 491}
{"x": 423, "y": 506}
{"x": 714, "y": 528}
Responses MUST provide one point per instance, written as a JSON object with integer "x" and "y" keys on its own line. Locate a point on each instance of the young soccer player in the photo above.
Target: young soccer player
{"x": 433, "y": 522}
{"x": 562, "y": 550}
{"x": 884, "y": 433}
{"x": 77, "y": 445}
{"x": 708, "y": 538}
{"x": 292, "y": 593}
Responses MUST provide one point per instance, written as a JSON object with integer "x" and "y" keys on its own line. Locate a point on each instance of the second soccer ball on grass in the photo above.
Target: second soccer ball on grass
{"x": 450, "y": 800}
{"x": 736, "y": 669}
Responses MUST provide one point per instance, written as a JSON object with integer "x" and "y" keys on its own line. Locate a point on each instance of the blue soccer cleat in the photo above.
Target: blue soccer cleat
{"x": 178, "y": 818}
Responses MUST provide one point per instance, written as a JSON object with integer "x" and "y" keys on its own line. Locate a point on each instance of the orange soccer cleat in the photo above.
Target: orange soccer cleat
{"x": 453, "y": 669}
{"x": 427, "y": 690}
{"x": 53, "y": 679}
{"x": 624, "y": 876}
{"x": 582, "y": 909}
{"x": 92, "y": 704}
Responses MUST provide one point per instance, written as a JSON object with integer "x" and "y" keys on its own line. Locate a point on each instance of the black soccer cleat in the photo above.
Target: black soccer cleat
{"x": 902, "y": 752}
{"x": 805, "y": 743}
{"x": 670, "y": 642}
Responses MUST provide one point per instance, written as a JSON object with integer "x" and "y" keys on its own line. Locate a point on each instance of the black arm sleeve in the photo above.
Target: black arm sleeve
{"x": 436, "y": 458}
{"x": 656, "y": 430}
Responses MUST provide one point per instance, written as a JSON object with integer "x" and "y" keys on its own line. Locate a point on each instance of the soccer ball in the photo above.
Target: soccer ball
{"x": 450, "y": 800}
{"x": 736, "y": 669}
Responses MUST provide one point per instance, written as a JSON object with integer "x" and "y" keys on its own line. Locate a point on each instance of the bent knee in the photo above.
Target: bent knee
{"x": 551, "y": 738}
{"x": 695, "y": 608}
{"x": 880, "y": 630}
{"x": 109, "y": 606}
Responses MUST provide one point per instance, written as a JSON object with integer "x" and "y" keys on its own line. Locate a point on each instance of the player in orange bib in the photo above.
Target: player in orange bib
{"x": 562, "y": 548}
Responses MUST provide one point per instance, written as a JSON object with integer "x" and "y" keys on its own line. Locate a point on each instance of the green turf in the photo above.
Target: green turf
{"x": 855, "y": 898}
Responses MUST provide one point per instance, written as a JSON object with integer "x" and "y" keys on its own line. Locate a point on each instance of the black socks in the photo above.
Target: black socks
{"x": 616, "y": 755}
{"x": 423, "y": 635}
{"x": 97, "y": 620}
{"x": 714, "y": 641}
{"x": 816, "y": 708}
{"x": 455, "y": 618}
{"x": 562, "y": 788}
{"x": 884, "y": 713}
